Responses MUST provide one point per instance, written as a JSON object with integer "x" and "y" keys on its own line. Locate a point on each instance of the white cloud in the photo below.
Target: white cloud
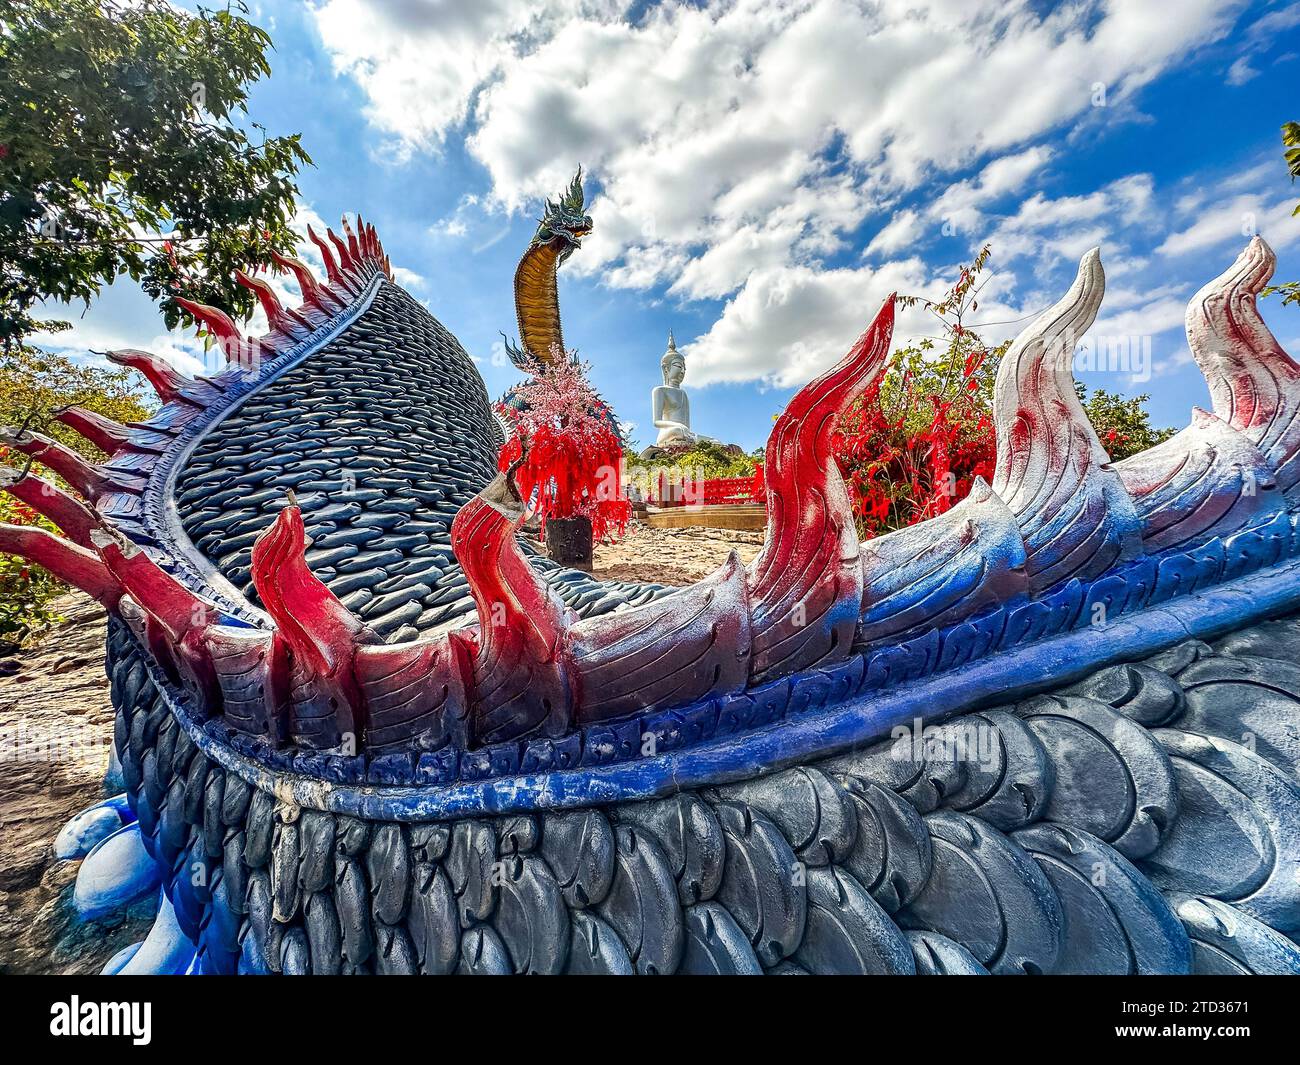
{"x": 959, "y": 207}
{"x": 789, "y": 323}
{"x": 1048, "y": 230}
{"x": 407, "y": 278}
{"x": 450, "y": 227}
{"x": 1241, "y": 71}
{"x": 1155, "y": 315}
{"x": 668, "y": 110}
{"x": 1124, "y": 297}
{"x": 736, "y": 146}
{"x": 420, "y": 62}
{"x": 122, "y": 316}
{"x": 1235, "y": 220}
{"x": 1258, "y": 38}
{"x": 901, "y": 231}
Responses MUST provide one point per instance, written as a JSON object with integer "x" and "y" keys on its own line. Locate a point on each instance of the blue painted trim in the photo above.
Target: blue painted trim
{"x": 891, "y": 663}
{"x": 995, "y": 679}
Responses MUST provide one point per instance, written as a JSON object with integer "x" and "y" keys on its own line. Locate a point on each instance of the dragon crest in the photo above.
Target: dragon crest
{"x": 564, "y": 222}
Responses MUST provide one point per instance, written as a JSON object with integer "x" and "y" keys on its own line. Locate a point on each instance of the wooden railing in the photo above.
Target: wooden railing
{"x": 669, "y": 490}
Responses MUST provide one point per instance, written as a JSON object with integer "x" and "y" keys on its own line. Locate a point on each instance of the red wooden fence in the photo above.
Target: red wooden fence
{"x": 680, "y": 490}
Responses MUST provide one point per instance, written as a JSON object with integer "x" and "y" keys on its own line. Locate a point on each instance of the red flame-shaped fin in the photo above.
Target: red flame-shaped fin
{"x": 89, "y": 480}
{"x": 176, "y": 618}
{"x": 301, "y": 273}
{"x": 806, "y": 586}
{"x": 346, "y": 263}
{"x": 321, "y": 633}
{"x": 71, "y": 515}
{"x": 520, "y": 670}
{"x": 219, "y": 324}
{"x": 353, "y": 245}
{"x": 106, "y": 434}
{"x": 327, "y": 256}
{"x": 277, "y": 316}
{"x": 64, "y": 559}
{"x": 167, "y": 381}
{"x": 314, "y": 294}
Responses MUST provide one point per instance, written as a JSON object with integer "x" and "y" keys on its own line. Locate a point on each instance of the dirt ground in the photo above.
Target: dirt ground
{"x": 671, "y": 556}
{"x": 56, "y": 724}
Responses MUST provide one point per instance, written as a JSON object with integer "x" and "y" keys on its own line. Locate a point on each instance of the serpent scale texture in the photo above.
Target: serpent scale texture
{"x": 1122, "y": 825}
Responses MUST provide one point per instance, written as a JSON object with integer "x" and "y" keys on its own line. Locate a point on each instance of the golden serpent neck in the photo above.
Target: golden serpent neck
{"x": 537, "y": 303}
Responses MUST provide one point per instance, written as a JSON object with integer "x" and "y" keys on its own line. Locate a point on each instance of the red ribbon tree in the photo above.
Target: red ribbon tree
{"x": 572, "y": 466}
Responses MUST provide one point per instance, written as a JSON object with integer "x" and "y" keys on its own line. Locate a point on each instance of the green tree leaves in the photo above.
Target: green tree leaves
{"x": 1122, "y": 424}
{"x": 119, "y": 156}
{"x": 1289, "y": 290}
{"x": 33, "y": 385}
{"x": 1291, "y": 141}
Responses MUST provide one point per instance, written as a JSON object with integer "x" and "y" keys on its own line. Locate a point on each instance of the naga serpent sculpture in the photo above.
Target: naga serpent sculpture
{"x": 362, "y": 731}
{"x": 537, "y": 298}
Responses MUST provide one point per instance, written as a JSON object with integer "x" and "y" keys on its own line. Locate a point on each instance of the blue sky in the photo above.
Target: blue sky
{"x": 763, "y": 172}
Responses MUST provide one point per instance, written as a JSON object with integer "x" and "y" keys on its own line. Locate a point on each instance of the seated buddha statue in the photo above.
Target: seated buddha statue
{"x": 670, "y": 406}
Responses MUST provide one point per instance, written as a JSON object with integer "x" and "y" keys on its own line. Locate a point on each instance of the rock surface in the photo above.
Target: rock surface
{"x": 56, "y": 724}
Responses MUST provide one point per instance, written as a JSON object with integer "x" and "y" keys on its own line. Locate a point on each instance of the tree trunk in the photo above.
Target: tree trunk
{"x": 568, "y": 541}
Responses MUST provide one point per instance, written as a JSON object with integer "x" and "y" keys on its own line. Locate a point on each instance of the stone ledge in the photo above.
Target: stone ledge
{"x": 744, "y": 517}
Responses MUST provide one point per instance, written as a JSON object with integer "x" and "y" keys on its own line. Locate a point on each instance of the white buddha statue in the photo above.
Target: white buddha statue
{"x": 670, "y": 405}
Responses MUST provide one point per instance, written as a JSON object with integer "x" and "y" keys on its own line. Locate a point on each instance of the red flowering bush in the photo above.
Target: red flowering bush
{"x": 573, "y": 459}
{"x": 911, "y": 447}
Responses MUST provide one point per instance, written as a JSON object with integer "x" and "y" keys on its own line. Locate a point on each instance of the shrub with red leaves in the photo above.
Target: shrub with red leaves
{"x": 911, "y": 447}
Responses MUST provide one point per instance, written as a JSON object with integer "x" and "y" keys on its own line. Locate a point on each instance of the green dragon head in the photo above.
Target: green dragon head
{"x": 565, "y": 222}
